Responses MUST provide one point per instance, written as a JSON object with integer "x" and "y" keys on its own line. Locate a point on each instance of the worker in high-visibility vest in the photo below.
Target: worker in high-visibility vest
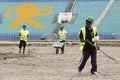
{"x": 24, "y": 34}
{"x": 88, "y": 34}
{"x": 62, "y": 37}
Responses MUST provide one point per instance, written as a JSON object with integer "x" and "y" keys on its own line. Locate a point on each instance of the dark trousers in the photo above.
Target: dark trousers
{"x": 62, "y": 49}
{"x": 85, "y": 58}
{"x": 22, "y": 44}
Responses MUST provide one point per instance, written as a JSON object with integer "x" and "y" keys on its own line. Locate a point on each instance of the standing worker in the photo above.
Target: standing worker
{"x": 62, "y": 36}
{"x": 88, "y": 35}
{"x": 24, "y": 34}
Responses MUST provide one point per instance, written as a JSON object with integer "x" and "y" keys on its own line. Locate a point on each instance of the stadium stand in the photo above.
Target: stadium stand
{"x": 34, "y": 0}
{"x": 35, "y": 34}
{"x": 82, "y": 9}
{"x": 109, "y": 27}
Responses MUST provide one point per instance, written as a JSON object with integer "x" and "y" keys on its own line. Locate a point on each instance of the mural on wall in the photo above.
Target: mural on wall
{"x": 26, "y": 13}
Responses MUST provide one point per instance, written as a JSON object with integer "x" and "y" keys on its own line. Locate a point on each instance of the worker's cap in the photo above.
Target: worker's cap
{"x": 89, "y": 19}
{"x": 24, "y": 26}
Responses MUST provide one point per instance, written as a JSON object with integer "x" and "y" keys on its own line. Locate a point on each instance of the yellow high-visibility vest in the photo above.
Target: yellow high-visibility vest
{"x": 82, "y": 44}
{"x": 62, "y": 35}
{"x": 24, "y": 34}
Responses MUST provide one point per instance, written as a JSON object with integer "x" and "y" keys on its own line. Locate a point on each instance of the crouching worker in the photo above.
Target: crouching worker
{"x": 62, "y": 37}
{"x": 24, "y": 34}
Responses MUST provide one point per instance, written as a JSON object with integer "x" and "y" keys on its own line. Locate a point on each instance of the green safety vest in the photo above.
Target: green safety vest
{"x": 82, "y": 44}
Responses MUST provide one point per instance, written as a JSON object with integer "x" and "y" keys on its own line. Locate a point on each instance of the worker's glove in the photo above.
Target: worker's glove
{"x": 97, "y": 47}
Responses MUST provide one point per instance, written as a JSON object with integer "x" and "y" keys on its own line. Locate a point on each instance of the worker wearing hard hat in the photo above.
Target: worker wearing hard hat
{"x": 62, "y": 37}
{"x": 88, "y": 34}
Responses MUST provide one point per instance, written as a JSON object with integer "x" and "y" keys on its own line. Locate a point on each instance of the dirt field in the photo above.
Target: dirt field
{"x": 44, "y": 64}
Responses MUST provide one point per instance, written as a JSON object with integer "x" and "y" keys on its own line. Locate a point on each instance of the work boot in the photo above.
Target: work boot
{"x": 94, "y": 73}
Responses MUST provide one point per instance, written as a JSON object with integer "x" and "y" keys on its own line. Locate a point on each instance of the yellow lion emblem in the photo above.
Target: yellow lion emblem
{"x": 25, "y": 14}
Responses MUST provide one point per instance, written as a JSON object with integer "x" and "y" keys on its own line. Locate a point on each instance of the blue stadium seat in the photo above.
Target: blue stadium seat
{"x": 84, "y": 9}
{"x": 110, "y": 24}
